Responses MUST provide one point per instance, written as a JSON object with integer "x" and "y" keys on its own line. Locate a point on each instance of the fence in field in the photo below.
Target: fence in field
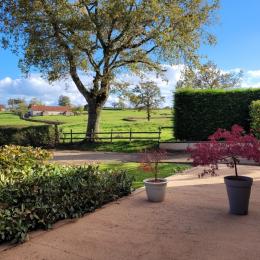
{"x": 111, "y": 136}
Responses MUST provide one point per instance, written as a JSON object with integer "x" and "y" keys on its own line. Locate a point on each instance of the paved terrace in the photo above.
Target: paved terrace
{"x": 192, "y": 223}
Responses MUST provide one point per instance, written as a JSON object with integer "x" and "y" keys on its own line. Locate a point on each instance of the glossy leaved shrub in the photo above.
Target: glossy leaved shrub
{"x": 18, "y": 162}
{"x": 35, "y": 194}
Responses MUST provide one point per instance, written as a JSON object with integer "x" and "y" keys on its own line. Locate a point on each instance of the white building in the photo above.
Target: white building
{"x": 38, "y": 110}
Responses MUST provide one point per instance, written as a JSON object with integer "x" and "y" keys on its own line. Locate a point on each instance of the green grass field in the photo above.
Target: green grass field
{"x": 110, "y": 119}
{"x": 165, "y": 170}
{"x": 10, "y": 119}
{"x": 113, "y": 119}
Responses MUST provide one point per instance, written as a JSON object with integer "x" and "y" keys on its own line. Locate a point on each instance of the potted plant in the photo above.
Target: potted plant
{"x": 229, "y": 147}
{"x": 155, "y": 187}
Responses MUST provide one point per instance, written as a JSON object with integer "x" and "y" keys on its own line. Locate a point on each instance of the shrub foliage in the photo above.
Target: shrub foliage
{"x": 226, "y": 147}
{"x": 42, "y": 135}
{"x": 18, "y": 162}
{"x": 255, "y": 117}
{"x": 199, "y": 113}
{"x": 50, "y": 192}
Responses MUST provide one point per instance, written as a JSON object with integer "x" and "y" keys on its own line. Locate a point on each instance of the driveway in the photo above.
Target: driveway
{"x": 81, "y": 157}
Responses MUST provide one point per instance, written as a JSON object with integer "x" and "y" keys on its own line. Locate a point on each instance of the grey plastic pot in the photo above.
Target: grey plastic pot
{"x": 238, "y": 190}
{"x": 155, "y": 190}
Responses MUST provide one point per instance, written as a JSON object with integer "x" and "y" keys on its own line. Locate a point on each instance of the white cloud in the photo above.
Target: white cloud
{"x": 254, "y": 73}
{"x": 35, "y": 86}
{"x": 251, "y": 79}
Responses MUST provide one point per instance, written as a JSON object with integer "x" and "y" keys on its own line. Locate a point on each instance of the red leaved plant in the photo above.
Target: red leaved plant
{"x": 228, "y": 147}
{"x": 150, "y": 161}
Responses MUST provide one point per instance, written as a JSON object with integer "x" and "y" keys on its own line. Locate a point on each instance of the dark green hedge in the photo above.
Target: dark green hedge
{"x": 199, "y": 113}
{"x": 255, "y": 117}
{"x": 54, "y": 193}
{"x": 42, "y": 135}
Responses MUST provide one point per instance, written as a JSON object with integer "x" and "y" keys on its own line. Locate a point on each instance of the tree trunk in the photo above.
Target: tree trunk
{"x": 148, "y": 110}
{"x": 96, "y": 100}
{"x": 96, "y": 97}
{"x": 94, "y": 111}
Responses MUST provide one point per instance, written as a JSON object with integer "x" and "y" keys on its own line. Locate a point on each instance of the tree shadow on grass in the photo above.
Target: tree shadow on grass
{"x": 119, "y": 146}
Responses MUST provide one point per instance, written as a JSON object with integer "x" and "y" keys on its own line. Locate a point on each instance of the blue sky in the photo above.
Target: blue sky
{"x": 238, "y": 35}
{"x": 238, "y": 46}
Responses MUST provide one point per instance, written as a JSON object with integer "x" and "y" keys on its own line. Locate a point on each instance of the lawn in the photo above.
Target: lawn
{"x": 165, "y": 170}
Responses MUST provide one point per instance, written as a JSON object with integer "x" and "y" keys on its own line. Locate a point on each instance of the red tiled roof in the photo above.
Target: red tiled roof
{"x": 2, "y": 106}
{"x": 50, "y": 108}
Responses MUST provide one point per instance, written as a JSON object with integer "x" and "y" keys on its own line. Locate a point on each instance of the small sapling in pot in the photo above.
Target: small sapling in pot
{"x": 155, "y": 187}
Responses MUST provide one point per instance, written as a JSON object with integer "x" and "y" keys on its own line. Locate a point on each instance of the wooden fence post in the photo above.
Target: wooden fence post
{"x": 130, "y": 135}
{"x": 127, "y": 135}
{"x": 71, "y": 138}
{"x": 57, "y": 137}
{"x": 159, "y": 136}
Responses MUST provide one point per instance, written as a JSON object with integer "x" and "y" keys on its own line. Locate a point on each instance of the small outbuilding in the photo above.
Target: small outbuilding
{"x": 39, "y": 110}
{"x": 2, "y": 108}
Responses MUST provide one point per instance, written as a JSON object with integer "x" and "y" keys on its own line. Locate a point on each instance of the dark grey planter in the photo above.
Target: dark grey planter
{"x": 238, "y": 190}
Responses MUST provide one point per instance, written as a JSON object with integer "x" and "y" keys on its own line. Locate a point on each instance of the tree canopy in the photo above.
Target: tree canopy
{"x": 13, "y": 103}
{"x": 208, "y": 76}
{"x": 64, "y": 101}
{"x": 70, "y": 38}
{"x": 146, "y": 96}
{"x": 35, "y": 101}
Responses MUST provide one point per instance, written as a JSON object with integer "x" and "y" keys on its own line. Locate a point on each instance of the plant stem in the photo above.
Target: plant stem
{"x": 156, "y": 171}
{"x": 235, "y": 164}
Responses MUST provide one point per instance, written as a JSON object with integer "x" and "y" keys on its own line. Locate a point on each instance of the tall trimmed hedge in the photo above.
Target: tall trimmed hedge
{"x": 255, "y": 117}
{"x": 199, "y": 113}
{"x": 37, "y": 136}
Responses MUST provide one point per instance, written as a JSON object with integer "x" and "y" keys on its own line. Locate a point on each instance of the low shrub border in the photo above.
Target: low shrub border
{"x": 35, "y": 194}
{"x": 41, "y": 136}
{"x": 54, "y": 193}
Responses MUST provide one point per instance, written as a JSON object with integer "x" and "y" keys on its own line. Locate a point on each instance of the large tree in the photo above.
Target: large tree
{"x": 35, "y": 101}
{"x": 13, "y": 103}
{"x": 64, "y": 101}
{"x": 208, "y": 76}
{"x": 18, "y": 106}
{"x": 70, "y": 38}
{"x": 146, "y": 96}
